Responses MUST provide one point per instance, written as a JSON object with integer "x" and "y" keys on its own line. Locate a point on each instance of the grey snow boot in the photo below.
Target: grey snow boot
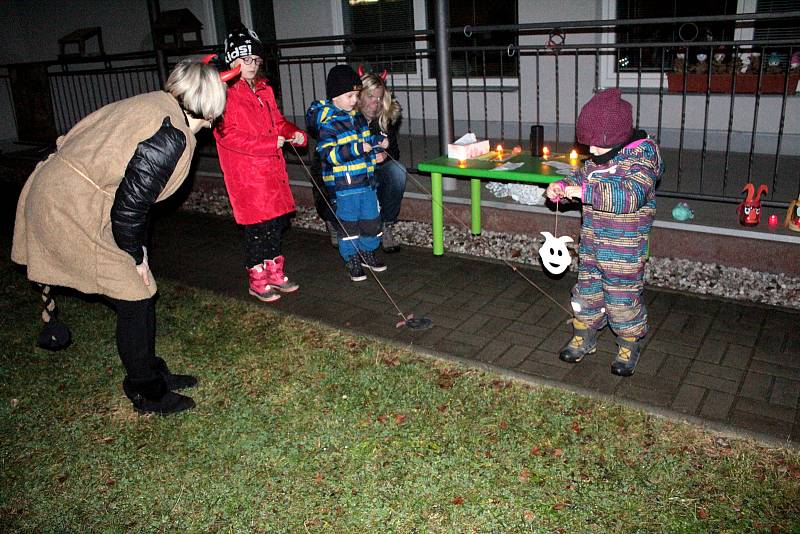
{"x": 332, "y": 233}
{"x": 625, "y": 361}
{"x": 388, "y": 241}
{"x": 583, "y": 342}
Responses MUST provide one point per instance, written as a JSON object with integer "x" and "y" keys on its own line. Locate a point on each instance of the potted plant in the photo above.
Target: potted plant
{"x": 744, "y": 70}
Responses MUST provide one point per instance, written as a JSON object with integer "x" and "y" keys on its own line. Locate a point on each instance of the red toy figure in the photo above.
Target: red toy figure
{"x": 750, "y": 208}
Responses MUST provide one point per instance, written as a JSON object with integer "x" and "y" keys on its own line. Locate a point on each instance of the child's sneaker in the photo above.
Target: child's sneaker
{"x": 625, "y": 361}
{"x": 583, "y": 342}
{"x": 259, "y": 287}
{"x": 355, "y": 270}
{"x": 370, "y": 261}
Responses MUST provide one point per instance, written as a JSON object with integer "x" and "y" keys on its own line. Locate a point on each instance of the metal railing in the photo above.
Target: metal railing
{"x": 713, "y": 142}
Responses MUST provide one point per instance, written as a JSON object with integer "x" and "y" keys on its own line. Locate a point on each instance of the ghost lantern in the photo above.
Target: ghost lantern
{"x": 554, "y": 253}
{"x": 750, "y": 208}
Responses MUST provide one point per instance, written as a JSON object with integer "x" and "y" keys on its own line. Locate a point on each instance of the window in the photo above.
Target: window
{"x": 479, "y": 13}
{"x": 622, "y": 66}
{"x": 650, "y": 60}
{"x": 377, "y": 16}
{"x": 777, "y": 29}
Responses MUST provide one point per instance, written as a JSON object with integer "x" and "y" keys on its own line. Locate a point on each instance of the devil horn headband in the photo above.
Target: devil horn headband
{"x": 226, "y": 74}
{"x": 382, "y": 75}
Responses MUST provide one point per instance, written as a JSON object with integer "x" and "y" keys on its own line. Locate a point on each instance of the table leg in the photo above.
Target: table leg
{"x": 437, "y": 217}
{"x": 475, "y": 197}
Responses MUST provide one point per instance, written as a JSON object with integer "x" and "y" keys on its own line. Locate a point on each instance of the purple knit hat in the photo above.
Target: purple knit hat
{"x": 605, "y": 120}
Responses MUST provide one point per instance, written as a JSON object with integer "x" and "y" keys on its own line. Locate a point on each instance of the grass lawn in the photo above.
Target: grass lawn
{"x": 301, "y": 428}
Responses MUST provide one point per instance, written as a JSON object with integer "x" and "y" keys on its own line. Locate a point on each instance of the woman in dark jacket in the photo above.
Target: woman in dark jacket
{"x": 82, "y": 216}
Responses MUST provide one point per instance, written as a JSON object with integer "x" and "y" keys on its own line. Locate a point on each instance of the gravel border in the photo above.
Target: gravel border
{"x": 737, "y": 283}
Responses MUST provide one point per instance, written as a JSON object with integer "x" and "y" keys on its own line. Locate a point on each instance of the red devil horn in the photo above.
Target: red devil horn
{"x": 226, "y": 74}
{"x": 360, "y": 71}
{"x": 749, "y": 188}
{"x": 761, "y": 190}
{"x": 383, "y": 75}
{"x": 232, "y": 73}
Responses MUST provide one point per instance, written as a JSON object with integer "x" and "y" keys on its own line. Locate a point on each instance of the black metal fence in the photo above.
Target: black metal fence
{"x": 720, "y": 124}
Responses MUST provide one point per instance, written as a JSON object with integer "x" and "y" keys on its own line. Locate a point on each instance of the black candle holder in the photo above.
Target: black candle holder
{"x": 537, "y": 139}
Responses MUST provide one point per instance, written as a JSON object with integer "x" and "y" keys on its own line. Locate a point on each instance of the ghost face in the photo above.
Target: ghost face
{"x": 554, "y": 253}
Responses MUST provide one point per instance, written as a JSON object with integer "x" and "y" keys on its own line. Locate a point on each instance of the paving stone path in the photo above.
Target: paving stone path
{"x": 733, "y": 366}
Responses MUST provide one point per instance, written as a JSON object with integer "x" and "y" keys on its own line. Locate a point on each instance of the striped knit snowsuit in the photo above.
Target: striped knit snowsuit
{"x": 619, "y": 204}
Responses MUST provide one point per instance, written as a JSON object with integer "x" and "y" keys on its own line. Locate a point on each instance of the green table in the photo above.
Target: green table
{"x": 533, "y": 171}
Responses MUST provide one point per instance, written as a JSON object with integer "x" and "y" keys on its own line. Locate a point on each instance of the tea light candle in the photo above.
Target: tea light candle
{"x": 573, "y": 154}
{"x": 545, "y": 151}
{"x": 773, "y": 220}
{"x": 462, "y": 163}
{"x": 500, "y": 148}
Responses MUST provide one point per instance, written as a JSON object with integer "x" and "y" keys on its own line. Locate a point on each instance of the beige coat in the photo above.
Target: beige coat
{"x": 63, "y": 223}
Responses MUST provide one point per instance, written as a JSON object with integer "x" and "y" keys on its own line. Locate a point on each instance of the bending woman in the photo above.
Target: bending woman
{"x": 82, "y": 216}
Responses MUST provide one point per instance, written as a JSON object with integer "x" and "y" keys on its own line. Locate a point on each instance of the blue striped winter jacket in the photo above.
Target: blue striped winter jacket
{"x": 340, "y": 136}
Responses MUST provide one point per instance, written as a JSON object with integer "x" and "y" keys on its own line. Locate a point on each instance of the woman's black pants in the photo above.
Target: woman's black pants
{"x": 136, "y": 337}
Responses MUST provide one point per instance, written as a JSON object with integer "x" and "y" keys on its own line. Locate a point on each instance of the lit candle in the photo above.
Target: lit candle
{"x": 500, "y": 148}
{"x": 573, "y": 154}
{"x": 462, "y": 163}
{"x": 545, "y": 151}
{"x": 773, "y": 220}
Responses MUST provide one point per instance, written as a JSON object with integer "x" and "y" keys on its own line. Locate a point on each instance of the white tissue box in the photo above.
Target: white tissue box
{"x": 467, "y": 147}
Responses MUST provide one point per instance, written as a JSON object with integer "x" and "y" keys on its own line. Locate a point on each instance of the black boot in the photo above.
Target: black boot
{"x": 173, "y": 381}
{"x": 152, "y": 396}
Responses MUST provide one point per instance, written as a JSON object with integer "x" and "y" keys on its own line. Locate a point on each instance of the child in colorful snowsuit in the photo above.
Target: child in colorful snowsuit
{"x": 617, "y": 189}
{"x": 249, "y": 140}
{"x": 346, "y": 152}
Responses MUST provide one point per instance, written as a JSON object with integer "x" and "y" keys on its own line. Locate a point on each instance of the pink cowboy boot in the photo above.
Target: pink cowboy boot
{"x": 276, "y": 278}
{"x": 259, "y": 286}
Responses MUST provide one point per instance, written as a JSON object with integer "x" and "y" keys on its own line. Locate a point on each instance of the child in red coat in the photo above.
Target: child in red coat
{"x": 249, "y": 140}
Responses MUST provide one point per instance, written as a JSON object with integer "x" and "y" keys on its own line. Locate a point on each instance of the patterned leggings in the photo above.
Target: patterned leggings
{"x": 611, "y": 293}
{"x": 262, "y": 241}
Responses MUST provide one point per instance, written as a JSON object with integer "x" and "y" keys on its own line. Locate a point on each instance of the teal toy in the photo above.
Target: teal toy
{"x": 682, "y": 212}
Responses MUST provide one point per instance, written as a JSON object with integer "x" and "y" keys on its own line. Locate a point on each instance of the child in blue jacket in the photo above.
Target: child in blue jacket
{"x": 345, "y": 146}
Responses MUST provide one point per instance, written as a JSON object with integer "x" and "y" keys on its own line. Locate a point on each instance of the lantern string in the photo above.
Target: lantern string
{"x": 465, "y": 226}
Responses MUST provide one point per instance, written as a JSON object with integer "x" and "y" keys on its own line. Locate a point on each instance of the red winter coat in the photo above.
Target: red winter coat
{"x": 253, "y": 165}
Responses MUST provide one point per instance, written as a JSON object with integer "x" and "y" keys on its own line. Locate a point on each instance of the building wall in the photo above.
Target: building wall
{"x": 501, "y": 111}
{"x": 33, "y": 27}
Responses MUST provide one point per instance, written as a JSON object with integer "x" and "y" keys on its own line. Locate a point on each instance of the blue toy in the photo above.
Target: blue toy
{"x": 682, "y": 212}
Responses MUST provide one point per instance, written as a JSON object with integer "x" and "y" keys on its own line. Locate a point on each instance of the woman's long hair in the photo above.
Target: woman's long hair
{"x": 389, "y": 110}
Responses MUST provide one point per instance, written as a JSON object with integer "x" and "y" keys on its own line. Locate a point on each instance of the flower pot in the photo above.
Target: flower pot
{"x": 723, "y": 83}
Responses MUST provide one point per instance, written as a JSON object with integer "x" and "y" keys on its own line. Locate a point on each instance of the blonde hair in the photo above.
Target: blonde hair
{"x": 198, "y": 88}
{"x": 389, "y": 109}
